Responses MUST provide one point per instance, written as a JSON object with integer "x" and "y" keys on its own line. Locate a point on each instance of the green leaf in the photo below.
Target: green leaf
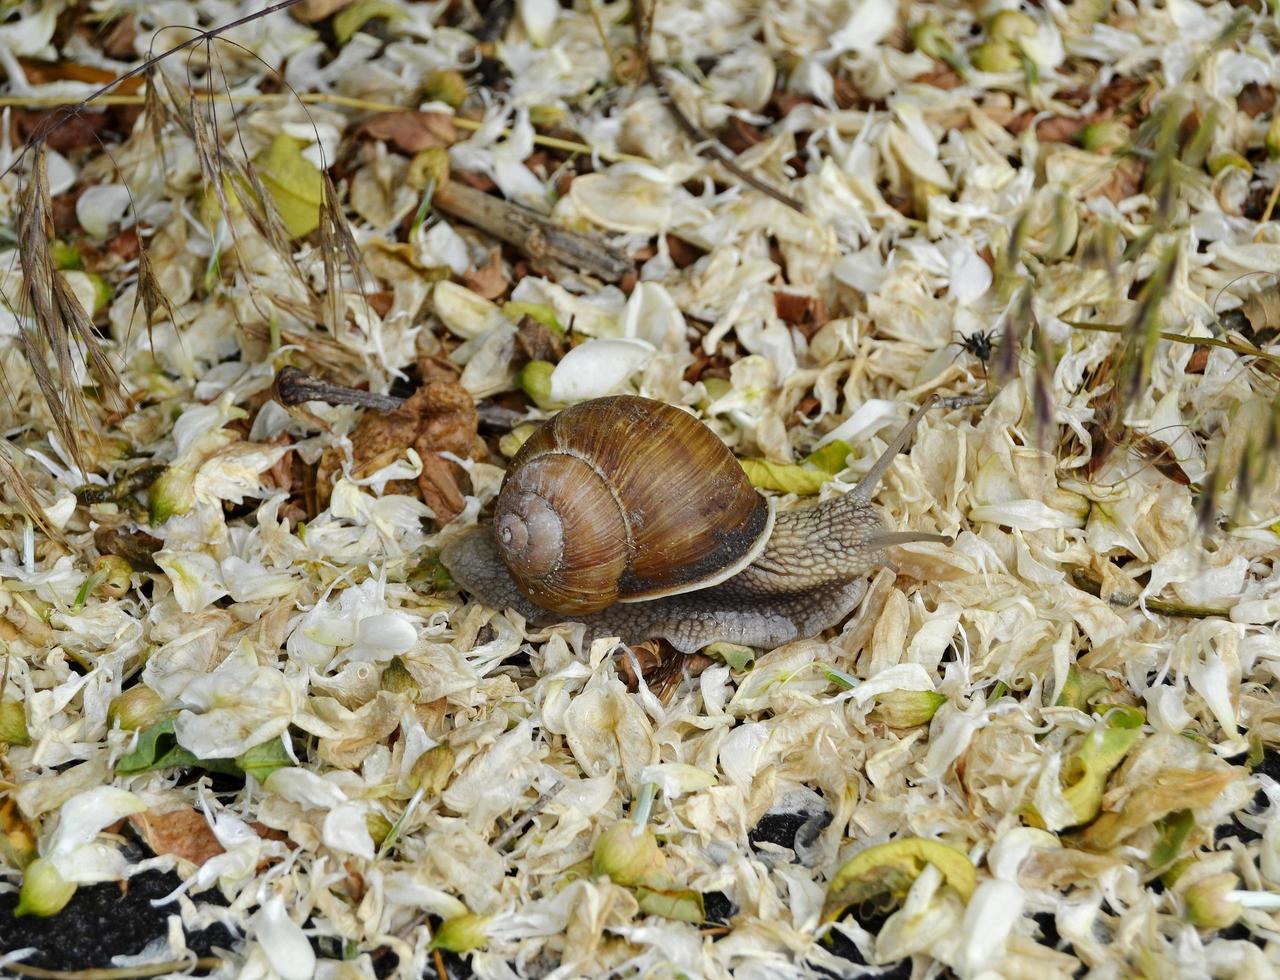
{"x": 678, "y": 904}
{"x": 831, "y": 458}
{"x": 294, "y": 183}
{"x": 786, "y": 478}
{"x": 1081, "y": 688}
{"x": 1174, "y": 829}
{"x": 736, "y": 656}
{"x": 262, "y": 760}
{"x": 1086, "y": 772}
{"x": 545, "y": 315}
{"x": 350, "y": 20}
{"x": 66, "y": 256}
{"x": 158, "y": 748}
{"x": 891, "y": 868}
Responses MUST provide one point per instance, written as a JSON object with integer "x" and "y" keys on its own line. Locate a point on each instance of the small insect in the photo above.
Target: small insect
{"x": 980, "y": 343}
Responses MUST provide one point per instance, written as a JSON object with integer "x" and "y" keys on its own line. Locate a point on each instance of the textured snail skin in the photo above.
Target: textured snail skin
{"x": 809, "y": 577}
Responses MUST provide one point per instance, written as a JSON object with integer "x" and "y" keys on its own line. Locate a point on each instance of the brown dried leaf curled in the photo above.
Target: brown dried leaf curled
{"x": 410, "y": 132}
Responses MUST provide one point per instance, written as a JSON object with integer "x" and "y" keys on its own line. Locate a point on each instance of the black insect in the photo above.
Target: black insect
{"x": 980, "y": 343}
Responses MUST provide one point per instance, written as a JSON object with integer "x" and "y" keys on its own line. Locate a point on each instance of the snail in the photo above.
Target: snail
{"x": 631, "y": 516}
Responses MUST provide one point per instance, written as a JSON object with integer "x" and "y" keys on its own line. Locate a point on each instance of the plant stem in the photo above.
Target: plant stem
{"x": 295, "y": 387}
{"x": 312, "y": 98}
{"x": 1180, "y": 338}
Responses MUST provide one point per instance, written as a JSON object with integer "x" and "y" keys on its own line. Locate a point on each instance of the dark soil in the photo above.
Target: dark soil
{"x": 107, "y": 920}
{"x": 102, "y": 921}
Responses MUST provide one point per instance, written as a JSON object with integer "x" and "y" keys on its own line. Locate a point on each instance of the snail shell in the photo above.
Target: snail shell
{"x": 622, "y": 499}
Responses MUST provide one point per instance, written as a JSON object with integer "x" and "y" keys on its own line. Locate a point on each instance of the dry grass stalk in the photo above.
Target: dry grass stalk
{"x": 58, "y": 323}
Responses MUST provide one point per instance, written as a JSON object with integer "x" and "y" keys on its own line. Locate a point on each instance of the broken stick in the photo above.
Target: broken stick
{"x": 536, "y": 236}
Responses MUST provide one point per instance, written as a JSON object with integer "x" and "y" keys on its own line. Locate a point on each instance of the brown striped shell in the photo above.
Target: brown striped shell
{"x": 621, "y": 499}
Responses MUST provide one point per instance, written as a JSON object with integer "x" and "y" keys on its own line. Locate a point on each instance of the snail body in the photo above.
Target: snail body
{"x": 632, "y": 517}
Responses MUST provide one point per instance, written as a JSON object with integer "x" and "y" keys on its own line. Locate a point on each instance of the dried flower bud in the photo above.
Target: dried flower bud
{"x": 921, "y": 191}
{"x": 173, "y": 493}
{"x": 1208, "y": 904}
{"x": 135, "y": 709}
{"x": 510, "y": 443}
{"x": 378, "y": 826}
{"x": 17, "y": 837}
{"x": 996, "y": 56}
{"x": 112, "y": 576}
{"x": 13, "y": 723}
{"x": 427, "y": 167}
{"x": 1104, "y": 136}
{"x": 447, "y": 86}
{"x": 44, "y": 890}
{"x": 397, "y": 679}
{"x": 627, "y": 852}
{"x": 432, "y": 770}
{"x": 535, "y": 380}
{"x": 1009, "y": 25}
{"x": 906, "y": 709}
{"x": 930, "y": 37}
{"x": 461, "y": 933}
{"x": 1272, "y": 140}
{"x": 1222, "y": 161}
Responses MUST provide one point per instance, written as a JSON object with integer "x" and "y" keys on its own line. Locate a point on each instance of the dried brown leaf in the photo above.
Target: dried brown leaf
{"x": 184, "y": 834}
{"x": 410, "y": 132}
{"x": 1262, "y": 309}
{"x": 489, "y": 280}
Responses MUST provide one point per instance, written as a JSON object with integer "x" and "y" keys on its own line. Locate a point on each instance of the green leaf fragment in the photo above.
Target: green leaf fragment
{"x": 907, "y": 709}
{"x": 350, "y": 20}
{"x": 13, "y": 723}
{"x": 515, "y": 311}
{"x": 784, "y": 477}
{"x": 510, "y": 443}
{"x": 262, "y": 760}
{"x": 158, "y": 748}
{"x": 831, "y": 458}
{"x": 627, "y": 853}
{"x": 461, "y": 933}
{"x": 736, "y": 656}
{"x": 294, "y": 183}
{"x": 1104, "y": 749}
{"x": 66, "y": 256}
{"x": 890, "y": 869}
{"x": 1174, "y": 829}
{"x": 678, "y": 904}
{"x": 1081, "y": 688}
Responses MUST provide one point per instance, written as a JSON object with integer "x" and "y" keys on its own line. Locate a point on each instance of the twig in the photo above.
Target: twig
{"x": 1162, "y": 607}
{"x": 294, "y": 387}
{"x": 963, "y": 401}
{"x": 522, "y": 821}
{"x": 312, "y": 98}
{"x": 706, "y": 146}
{"x": 1181, "y": 338}
{"x": 713, "y": 148}
{"x": 539, "y": 238}
{"x": 115, "y": 972}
